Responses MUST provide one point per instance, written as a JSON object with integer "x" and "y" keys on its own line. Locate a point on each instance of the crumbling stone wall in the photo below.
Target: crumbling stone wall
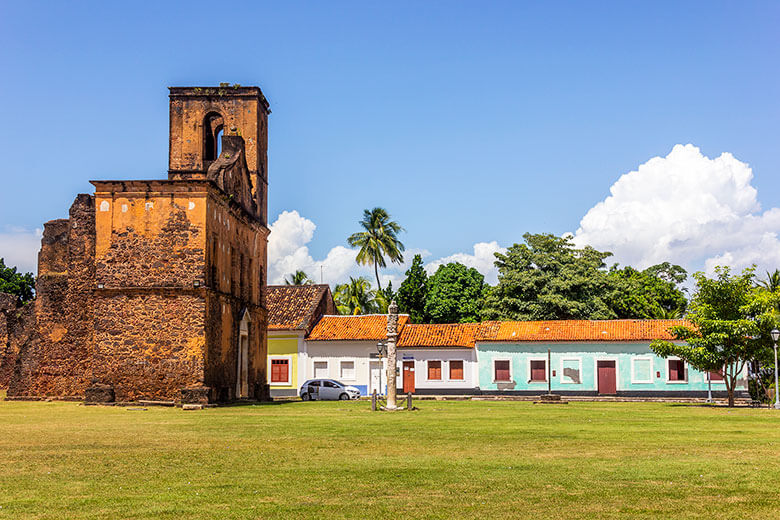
{"x": 149, "y": 345}
{"x": 17, "y": 322}
{"x": 55, "y": 359}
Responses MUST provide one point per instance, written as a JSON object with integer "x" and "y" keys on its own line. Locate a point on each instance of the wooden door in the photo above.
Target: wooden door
{"x": 408, "y": 377}
{"x": 607, "y": 377}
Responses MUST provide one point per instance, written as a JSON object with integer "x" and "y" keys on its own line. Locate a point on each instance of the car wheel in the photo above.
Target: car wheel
{"x": 344, "y": 397}
{"x": 305, "y": 397}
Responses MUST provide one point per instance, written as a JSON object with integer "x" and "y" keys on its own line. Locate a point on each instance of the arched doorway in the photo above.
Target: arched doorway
{"x": 242, "y": 372}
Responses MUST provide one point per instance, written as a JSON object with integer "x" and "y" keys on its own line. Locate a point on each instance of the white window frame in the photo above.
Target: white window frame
{"x": 314, "y": 368}
{"x": 578, "y": 359}
{"x": 354, "y": 369}
{"x": 448, "y": 369}
{"x": 511, "y": 370}
{"x": 634, "y": 379}
{"x": 289, "y": 370}
{"x": 685, "y": 371}
{"x": 546, "y": 370}
{"x": 441, "y": 366}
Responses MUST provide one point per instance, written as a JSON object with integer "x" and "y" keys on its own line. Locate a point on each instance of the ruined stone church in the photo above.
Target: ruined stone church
{"x": 154, "y": 289}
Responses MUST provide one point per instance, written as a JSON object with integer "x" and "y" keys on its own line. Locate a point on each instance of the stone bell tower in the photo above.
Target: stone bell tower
{"x": 210, "y": 128}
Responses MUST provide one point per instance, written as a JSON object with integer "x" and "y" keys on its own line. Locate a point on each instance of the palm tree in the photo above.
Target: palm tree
{"x": 356, "y": 297}
{"x": 379, "y": 239}
{"x": 772, "y": 282}
{"x": 298, "y": 278}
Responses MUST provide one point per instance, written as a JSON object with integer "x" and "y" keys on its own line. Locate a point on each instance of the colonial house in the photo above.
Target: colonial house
{"x": 293, "y": 310}
{"x": 580, "y": 357}
{"x": 438, "y": 359}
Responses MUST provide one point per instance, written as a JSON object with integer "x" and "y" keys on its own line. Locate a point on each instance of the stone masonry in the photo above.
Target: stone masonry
{"x": 154, "y": 289}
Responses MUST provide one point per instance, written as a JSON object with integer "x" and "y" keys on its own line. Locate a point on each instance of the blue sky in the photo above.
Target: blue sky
{"x": 471, "y": 122}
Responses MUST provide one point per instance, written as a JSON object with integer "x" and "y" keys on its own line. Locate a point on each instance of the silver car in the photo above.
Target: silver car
{"x": 327, "y": 390}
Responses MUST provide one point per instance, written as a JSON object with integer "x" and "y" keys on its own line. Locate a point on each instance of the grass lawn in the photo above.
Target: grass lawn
{"x": 339, "y": 460}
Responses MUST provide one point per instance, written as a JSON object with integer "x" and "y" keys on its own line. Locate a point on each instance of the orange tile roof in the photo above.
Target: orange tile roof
{"x": 294, "y": 307}
{"x": 438, "y": 335}
{"x": 364, "y": 327}
{"x": 577, "y": 330}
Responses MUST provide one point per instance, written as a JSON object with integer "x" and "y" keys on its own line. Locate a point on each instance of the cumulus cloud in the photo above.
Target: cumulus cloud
{"x": 19, "y": 247}
{"x": 288, "y": 252}
{"x": 687, "y": 209}
{"x": 482, "y": 260}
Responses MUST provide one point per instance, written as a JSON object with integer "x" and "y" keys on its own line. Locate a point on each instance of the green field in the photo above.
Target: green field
{"x": 339, "y": 460}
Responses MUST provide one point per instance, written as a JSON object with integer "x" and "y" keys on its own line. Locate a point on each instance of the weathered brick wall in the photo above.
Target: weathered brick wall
{"x": 17, "y": 323}
{"x": 55, "y": 358}
{"x": 236, "y": 259}
{"x": 162, "y": 247}
{"x": 149, "y": 344}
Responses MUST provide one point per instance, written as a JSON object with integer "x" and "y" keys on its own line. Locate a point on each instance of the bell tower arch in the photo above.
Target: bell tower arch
{"x": 200, "y": 117}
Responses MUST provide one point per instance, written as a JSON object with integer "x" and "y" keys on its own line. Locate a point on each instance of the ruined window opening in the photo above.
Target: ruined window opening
{"x": 213, "y": 125}
{"x": 214, "y": 255}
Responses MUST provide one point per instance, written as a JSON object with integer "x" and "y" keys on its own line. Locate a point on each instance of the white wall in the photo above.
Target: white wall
{"x": 422, "y": 356}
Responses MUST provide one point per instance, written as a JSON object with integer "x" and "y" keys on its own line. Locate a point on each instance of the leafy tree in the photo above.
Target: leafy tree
{"x": 548, "y": 278}
{"x": 378, "y": 239}
{"x": 298, "y": 278}
{"x": 650, "y": 294}
{"x": 731, "y": 322}
{"x": 454, "y": 294}
{"x": 11, "y": 282}
{"x": 413, "y": 291}
{"x": 356, "y": 297}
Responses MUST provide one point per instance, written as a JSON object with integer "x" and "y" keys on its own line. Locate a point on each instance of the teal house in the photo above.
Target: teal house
{"x": 579, "y": 357}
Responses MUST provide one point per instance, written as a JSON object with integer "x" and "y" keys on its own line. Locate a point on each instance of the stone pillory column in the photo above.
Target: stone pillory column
{"x": 392, "y": 334}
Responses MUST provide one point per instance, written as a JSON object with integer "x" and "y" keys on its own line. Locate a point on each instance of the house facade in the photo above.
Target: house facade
{"x": 582, "y": 357}
{"x": 293, "y": 310}
{"x": 438, "y": 359}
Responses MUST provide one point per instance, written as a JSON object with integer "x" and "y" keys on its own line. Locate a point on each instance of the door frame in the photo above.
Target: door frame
{"x": 413, "y": 373}
{"x": 596, "y": 372}
{"x": 375, "y": 363}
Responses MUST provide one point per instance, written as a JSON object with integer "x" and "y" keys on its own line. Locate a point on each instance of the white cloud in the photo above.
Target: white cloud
{"x": 687, "y": 209}
{"x": 287, "y": 252}
{"x": 482, "y": 260}
{"x": 19, "y": 247}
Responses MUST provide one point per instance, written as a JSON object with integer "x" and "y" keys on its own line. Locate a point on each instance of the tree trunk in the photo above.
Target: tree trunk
{"x": 730, "y": 378}
{"x": 376, "y": 272}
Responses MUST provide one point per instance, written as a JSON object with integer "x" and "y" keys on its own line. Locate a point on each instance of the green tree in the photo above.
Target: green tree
{"x": 356, "y": 297}
{"x": 11, "y": 282}
{"x": 731, "y": 322}
{"x": 548, "y": 278}
{"x": 454, "y": 294}
{"x": 379, "y": 239}
{"x": 298, "y": 278}
{"x": 413, "y": 291}
{"x": 654, "y": 293}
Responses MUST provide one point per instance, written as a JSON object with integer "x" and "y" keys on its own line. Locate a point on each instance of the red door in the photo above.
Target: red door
{"x": 607, "y": 377}
{"x": 408, "y": 377}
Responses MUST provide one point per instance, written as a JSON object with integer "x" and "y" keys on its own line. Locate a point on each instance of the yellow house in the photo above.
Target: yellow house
{"x": 293, "y": 310}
